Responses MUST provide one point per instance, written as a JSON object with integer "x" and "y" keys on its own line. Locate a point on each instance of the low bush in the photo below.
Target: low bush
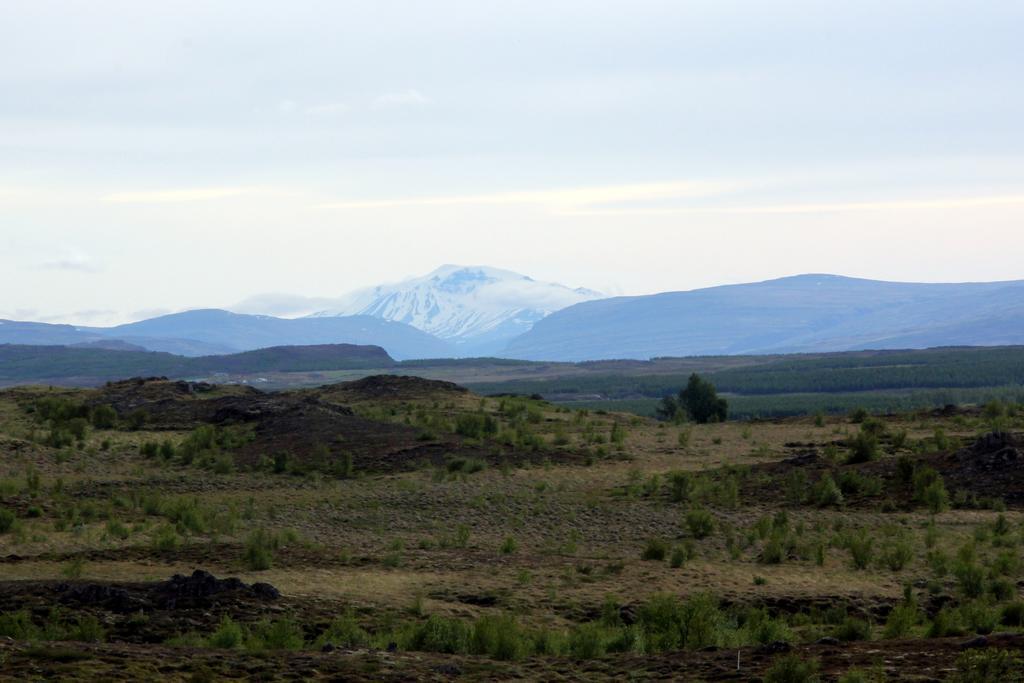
{"x": 6, "y": 520}
{"x": 792, "y": 668}
{"x": 700, "y": 523}
{"x": 863, "y": 448}
{"x": 655, "y": 550}
{"x": 259, "y": 550}
{"x": 229, "y": 635}
{"x": 852, "y": 629}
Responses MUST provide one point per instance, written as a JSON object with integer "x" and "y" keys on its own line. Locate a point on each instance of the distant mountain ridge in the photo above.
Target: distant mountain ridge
{"x": 477, "y": 308}
{"x": 804, "y": 313}
{"x": 90, "y": 365}
{"x": 489, "y": 312}
{"x": 207, "y": 332}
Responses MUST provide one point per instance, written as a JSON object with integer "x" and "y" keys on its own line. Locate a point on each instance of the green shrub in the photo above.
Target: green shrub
{"x": 930, "y": 490}
{"x": 437, "y": 634}
{"x": 280, "y": 634}
{"x": 945, "y": 624}
{"x": 344, "y": 631}
{"x": 853, "y": 482}
{"x": 935, "y": 497}
{"x": 655, "y": 550}
{"x": 852, "y": 629}
{"x": 700, "y": 522}
{"x": 6, "y": 520}
{"x": 465, "y": 465}
{"x": 508, "y": 546}
{"x": 87, "y": 629}
{"x": 905, "y": 469}
{"x": 861, "y": 546}
{"x": 259, "y": 550}
{"x": 679, "y": 484}
{"x": 18, "y": 625}
{"x": 1012, "y": 614}
{"x": 669, "y": 623}
{"x": 223, "y": 464}
{"x": 103, "y": 417}
{"x": 116, "y": 529}
{"x": 792, "y": 668}
{"x": 498, "y": 637}
{"x": 476, "y": 425}
{"x": 978, "y": 617}
{"x": 896, "y": 554}
{"x": 1002, "y": 589}
{"x": 166, "y": 538}
{"x": 862, "y": 676}
{"x": 774, "y": 550}
{"x": 588, "y": 641}
{"x": 988, "y": 666}
{"x": 229, "y": 635}
{"x": 863, "y": 448}
{"x": 761, "y": 628}
{"x": 901, "y": 621}
{"x": 74, "y": 568}
{"x": 136, "y": 419}
{"x": 795, "y": 486}
{"x": 826, "y": 492}
{"x": 970, "y": 579}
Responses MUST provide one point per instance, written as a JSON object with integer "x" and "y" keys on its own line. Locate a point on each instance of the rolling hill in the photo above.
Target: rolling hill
{"x": 805, "y": 313}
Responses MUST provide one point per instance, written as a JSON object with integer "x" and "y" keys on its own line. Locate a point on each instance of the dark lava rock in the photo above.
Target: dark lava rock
{"x": 629, "y": 614}
{"x": 993, "y": 451}
{"x": 100, "y": 595}
{"x": 448, "y": 669}
{"x": 974, "y": 643}
{"x": 478, "y": 600}
{"x": 198, "y": 589}
{"x": 775, "y": 647}
{"x": 327, "y": 647}
{"x": 829, "y": 640}
{"x": 803, "y": 460}
{"x": 265, "y": 591}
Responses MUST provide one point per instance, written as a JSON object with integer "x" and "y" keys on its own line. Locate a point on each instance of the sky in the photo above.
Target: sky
{"x": 161, "y": 156}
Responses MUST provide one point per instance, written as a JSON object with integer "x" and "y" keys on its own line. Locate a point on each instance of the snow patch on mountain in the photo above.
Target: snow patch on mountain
{"x": 465, "y": 304}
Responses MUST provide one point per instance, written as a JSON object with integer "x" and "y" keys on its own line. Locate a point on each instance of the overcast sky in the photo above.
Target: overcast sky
{"x": 161, "y": 156}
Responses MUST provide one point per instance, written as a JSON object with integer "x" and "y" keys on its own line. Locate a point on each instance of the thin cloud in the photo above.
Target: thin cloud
{"x": 172, "y": 196}
{"x": 820, "y": 207}
{"x": 86, "y": 316}
{"x": 328, "y": 109}
{"x": 71, "y": 263}
{"x": 146, "y": 313}
{"x": 405, "y": 98}
{"x": 565, "y": 198}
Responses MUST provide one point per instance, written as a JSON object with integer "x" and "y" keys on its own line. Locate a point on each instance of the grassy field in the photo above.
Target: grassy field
{"x": 430, "y": 533}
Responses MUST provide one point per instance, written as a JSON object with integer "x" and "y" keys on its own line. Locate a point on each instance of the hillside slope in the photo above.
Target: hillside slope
{"x": 806, "y": 313}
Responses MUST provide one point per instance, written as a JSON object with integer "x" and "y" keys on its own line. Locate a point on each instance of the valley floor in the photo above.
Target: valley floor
{"x": 552, "y": 545}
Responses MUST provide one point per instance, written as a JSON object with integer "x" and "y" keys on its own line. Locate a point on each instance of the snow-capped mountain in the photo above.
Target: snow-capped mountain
{"x": 476, "y": 307}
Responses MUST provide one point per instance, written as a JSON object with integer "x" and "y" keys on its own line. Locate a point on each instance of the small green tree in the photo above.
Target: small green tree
{"x": 701, "y": 402}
